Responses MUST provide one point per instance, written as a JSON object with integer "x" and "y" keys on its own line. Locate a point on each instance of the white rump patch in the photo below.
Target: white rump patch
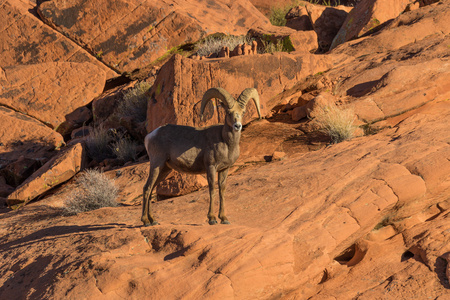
{"x": 150, "y": 136}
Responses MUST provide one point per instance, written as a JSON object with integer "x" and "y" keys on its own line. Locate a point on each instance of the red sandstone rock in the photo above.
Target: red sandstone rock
{"x": 316, "y": 209}
{"x": 26, "y": 40}
{"x": 367, "y": 15}
{"x": 128, "y": 35}
{"x": 177, "y": 184}
{"x": 49, "y": 91}
{"x": 176, "y": 94}
{"x": 363, "y": 219}
{"x": 321, "y": 100}
{"x": 299, "y": 113}
{"x": 56, "y": 171}
{"x": 21, "y": 135}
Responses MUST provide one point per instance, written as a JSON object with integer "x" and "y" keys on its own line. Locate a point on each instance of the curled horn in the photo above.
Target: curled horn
{"x": 247, "y": 94}
{"x": 220, "y": 94}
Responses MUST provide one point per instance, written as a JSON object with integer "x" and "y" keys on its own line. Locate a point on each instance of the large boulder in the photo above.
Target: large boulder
{"x": 177, "y": 184}
{"x": 367, "y": 15}
{"x": 408, "y": 28}
{"x": 23, "y": 136}
{"x": 177, "y": 92}
{"x": 386, "y": 85}
{"x": 128, "y": 35}
{"x": 24, "y": 39}
{"x": 49, "y": 91}
{"x": 59, "y": 169}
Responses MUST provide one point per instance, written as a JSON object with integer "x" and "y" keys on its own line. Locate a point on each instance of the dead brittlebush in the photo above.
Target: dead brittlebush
{"x": 134, "y": 102}
{"x": 336, "y": 122}
{"x": 92, "y": 190}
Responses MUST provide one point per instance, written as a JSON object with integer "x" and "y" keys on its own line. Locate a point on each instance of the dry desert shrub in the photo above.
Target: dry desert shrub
{"x": 125, "y": 149}
{"x": 213, "y": 44}
{"x": 334, "y": 121}
{"x": 134, "y": 103}
{"x": 97, "y": 144}
{"x": 93, "y": 190}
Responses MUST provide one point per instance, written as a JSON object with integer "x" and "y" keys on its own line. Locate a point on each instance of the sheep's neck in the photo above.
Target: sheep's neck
{"x": 231, "y": 137}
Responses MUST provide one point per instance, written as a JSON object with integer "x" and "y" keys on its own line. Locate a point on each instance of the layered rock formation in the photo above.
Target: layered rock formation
{"x": 367, "y": 218}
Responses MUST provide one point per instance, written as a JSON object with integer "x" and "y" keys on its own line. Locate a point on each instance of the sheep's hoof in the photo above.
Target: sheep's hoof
{"x": 151, "y": 224}
{"x": 212, "y": 222}
{"x": 225, "y": 222}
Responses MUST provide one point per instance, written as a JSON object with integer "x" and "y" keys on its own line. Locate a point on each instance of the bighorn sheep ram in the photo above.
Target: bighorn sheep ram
{"x": 198, "y": 150}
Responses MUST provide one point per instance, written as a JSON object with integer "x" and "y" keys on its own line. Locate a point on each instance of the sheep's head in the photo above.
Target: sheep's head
{"x": 234, "y": 108}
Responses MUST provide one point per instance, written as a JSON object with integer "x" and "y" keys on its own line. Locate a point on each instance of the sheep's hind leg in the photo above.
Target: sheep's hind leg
{"x": 156, "y": 175}
{"x": 211, "y": 176}
{"x": 222, "y": 188}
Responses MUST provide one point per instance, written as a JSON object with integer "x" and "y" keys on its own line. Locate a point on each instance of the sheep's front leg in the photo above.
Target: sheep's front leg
{"x": 211, "y": 176}
{"x": 222, "y": 188}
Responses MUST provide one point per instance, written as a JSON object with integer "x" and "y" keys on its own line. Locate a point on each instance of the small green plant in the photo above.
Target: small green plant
{"x": 281, "y": 45}
{"x": 93, "y": 190}
{"x": 99, "y": 54}
{"x": 270, "y": 47}
{"x": 213, "y": 44}
{"x": 125, "y": 149}
{"x": 278, "y": 13}
{"x": 134, "y": 103}
{"x": 97, "y": 144}
{"x": 325, "y": 2}
{"x": 336, "y": 122}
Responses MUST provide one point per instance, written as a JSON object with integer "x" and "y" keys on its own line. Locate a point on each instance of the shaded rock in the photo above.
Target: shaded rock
{"x": 299, "y": 113}
{"x": 16, "y": 172}
{"x": 26, "y": 40}
{"x": 324, "y": 20}
{"x": 59, "y": 169}
{"x": 129, "y": 35}
{"x": 298, "y": 18}
{"x": 177, "y": 184}
{"x": 366, "y": 16}
{"x": 49, "y": 91}
{"x": 81, "y": 132}
{"x": 105, "y": 104}
{"x": 74, "y": 120}
{"x": 21, "y": 135}
{"x": 136, "y": 129}
{"x": 5, "y": 190}
{"x": 176, "y": 94}
{"x": 260, "y": 140}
